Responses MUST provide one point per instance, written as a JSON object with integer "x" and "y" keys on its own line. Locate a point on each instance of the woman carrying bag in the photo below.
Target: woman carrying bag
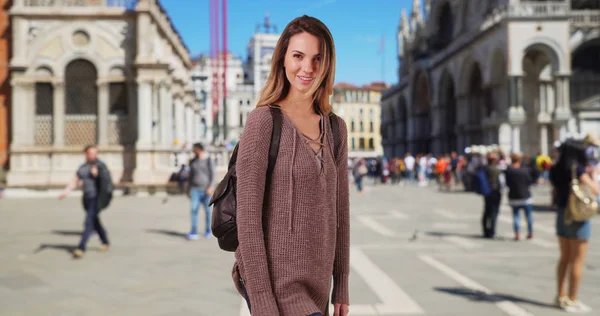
{"x": 575, "y": 192}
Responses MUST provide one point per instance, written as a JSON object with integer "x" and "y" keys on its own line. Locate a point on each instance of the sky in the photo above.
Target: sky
{"x": 357, "y": 26}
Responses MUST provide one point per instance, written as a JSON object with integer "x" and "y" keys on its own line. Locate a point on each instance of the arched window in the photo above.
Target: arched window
{"x": 81, "y": 96}
{"x": 119, "y": 110}
{"x": 44, "y": 108}
{"x": 445, "y": 29}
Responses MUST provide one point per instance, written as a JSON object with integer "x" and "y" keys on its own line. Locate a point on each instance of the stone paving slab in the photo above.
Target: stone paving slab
{"x": 397, "y": 232}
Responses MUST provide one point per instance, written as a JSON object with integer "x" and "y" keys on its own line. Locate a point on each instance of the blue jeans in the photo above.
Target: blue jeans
{"x": 410, "y": 176}
{"x": 200, "y": 197}
{"x": 92, "y": 222}
{"x": 359, "y": 183}
{"x": 528, "y": 209}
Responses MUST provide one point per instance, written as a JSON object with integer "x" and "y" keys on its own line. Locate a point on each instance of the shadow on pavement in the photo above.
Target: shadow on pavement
{"x": 171, "y": 233}
{"x": 64, "y": 247}
{"x": 479, "y": 296}
{"x": 459, "y": 191}
{"x": 543, "y": 208}
{"x": 67, "y": 232}
{"x": 446, "y": 234}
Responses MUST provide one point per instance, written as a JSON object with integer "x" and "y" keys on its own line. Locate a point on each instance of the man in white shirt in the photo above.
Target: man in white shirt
{"x": 409, "y": 165}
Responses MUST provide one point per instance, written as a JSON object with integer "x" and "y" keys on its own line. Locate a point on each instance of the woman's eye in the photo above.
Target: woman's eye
{"x": 317, "y": 58}
{"x": 296, "y": 56}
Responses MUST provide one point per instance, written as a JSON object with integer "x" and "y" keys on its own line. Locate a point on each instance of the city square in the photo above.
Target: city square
{"x": 500, "y": 95}
{"x": 414, "y": 251}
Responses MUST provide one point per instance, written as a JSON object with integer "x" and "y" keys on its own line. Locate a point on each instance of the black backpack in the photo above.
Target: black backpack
{"x": 104, "y": 185}
{"x": 224, "y": 201}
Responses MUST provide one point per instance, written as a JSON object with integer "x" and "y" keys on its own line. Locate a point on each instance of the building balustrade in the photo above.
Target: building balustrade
{"x": 585, "y": 18}
{"x": 128, "y": 4}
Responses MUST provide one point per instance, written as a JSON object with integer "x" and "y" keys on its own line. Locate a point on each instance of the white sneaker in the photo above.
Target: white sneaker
{"x": 192, "y": 236}
{"x": 576, "y": 307}
{"x": 561, "y": 301}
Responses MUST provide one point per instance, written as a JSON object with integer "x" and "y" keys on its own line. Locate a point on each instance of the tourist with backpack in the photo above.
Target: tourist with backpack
{"x": 290, "y": 214}
{"x": 97, "y": 195}
{"x": 488, "y": 182}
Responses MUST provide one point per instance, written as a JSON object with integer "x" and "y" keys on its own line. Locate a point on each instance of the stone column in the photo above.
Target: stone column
{"x": 103, "y": 109}
{"x": 544, "y": 139}
{"x": 197, "y": 126}
{"x": 156, "y": 113}
{"x": 189, "y": 124}
{"x": 19, "y": 35}
{"x": 550, "y": 98}
{"x": 28, "y": 103}
{"x": 562, "y": 110}
{"x": 58, "y": 114}
{"x": 166, "y": 115}
{"x": 543, "y": 97}
{"x": 144, "y": 114}
{"x": 516, "y": 138}
{"x": 132, "y": 111}
{"x": 179, "y": 120}
{"x": 144, "y": 36}
{"x": 516, "y": 112}
{"x": 18, "y": 113}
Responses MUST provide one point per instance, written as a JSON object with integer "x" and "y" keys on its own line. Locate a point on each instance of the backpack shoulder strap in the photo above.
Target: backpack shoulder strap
{"x": 275, "y": 138}
{"x": 335, "y": 129}
{"x": 273, "y": 150}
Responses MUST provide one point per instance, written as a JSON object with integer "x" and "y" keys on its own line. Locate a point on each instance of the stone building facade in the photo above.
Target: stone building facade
{"x": 240, "y": 98}
{"x": 520, "y": 74}
{"x": 110, "y": 72}
{"x": 245, "y": 79}
{"x": 360, "y": 108}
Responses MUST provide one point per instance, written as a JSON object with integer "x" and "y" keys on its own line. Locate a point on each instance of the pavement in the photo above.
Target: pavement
{"x": 415, "y": 251}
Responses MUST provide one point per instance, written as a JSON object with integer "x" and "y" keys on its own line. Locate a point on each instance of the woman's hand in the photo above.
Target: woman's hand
{"x": 340, "y": 309}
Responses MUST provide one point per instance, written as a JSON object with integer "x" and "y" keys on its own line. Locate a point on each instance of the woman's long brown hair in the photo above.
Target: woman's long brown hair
{"x": 277, "y": 86}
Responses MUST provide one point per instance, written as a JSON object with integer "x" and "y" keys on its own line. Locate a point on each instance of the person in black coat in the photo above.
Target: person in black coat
{"x": 519, "y": 180}
{"x": 97, "y": 188}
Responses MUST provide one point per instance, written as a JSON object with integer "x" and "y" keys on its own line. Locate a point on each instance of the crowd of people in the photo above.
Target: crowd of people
{"x": 450, "y": 170}
{"x": 489, "y": 172}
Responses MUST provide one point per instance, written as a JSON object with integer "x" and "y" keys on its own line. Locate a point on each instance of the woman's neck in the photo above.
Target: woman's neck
{"x": 297, "y": 104}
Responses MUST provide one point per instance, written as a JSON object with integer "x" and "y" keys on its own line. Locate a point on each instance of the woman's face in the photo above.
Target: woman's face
{"x": 302, "y": 61}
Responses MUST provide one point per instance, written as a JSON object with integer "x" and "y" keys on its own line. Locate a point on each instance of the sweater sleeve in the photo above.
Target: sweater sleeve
{"x": 341, "y": 264}
{"x": 251, "y": 171}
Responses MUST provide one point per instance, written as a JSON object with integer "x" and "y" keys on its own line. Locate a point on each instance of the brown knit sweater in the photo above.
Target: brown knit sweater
{"x": 287, "y": 266}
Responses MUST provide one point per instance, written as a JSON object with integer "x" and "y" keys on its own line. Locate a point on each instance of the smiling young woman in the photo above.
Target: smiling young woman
{"x": 289, "y": 253}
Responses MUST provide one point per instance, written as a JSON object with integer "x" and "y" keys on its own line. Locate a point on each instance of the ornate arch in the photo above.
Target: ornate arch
{"x": 550, "y": 48}
{"x": 444, "y": 23}
{"x": 465, "y": 71}
{"x": 421, "y": 92}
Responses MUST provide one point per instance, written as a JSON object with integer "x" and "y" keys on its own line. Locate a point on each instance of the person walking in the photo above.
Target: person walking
{"x": 95, "y": 178}
{"x": 359, "y": 170}
{"x": 519, "y": 181}
{"x": 200, "y": 187}
{"x": 495, "y": 178}
{"x": 289, "y": 253}
{"x": 573, "y": 236}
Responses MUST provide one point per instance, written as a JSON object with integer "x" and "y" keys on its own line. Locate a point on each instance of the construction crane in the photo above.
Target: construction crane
{"x": 219, "y": 67}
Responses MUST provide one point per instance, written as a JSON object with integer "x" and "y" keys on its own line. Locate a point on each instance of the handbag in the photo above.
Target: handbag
{"x": 582, "y": 204}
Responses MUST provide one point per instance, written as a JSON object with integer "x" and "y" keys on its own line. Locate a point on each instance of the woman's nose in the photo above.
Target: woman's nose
{"x": 307, "y": 66}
